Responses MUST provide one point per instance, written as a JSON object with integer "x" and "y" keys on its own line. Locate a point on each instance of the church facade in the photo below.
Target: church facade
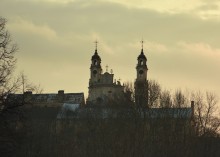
{"x": 102, "y": 86}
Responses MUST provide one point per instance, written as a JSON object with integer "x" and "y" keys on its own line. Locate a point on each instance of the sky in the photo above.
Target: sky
{"x": 56, "y": 41}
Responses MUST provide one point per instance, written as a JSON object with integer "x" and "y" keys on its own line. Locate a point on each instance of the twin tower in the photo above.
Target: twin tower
{"x": 103, "y": 88}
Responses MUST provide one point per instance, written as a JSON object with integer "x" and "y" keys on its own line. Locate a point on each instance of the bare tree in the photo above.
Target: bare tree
{"x": 154, "y": 91}
{"x": 179, "y": 99}
{"x": 8, "y": 84}
{"x": 11, "y": 115}
{"x": 166, "y": 99}
{"x": 129, "y": 90}
{"x": 207, "y": 122}
{"x": 7, "y": 64}
{"x": 26, "y": 85}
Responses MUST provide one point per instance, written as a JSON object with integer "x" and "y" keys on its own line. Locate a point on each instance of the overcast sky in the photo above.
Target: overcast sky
{"x": 56, "y": 40}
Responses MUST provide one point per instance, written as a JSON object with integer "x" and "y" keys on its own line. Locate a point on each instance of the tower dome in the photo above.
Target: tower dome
{"x": 142, "y": 56}
{"x": 96, "y": 56}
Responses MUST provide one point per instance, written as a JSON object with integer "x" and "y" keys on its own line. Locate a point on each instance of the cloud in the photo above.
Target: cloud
{"x": 208, "y": 10}
{"x": 155, "y": 47}
{"x": 204, "y": 9}
{"x": 161, "y": 6}
{"x": 201, "y": 49}
{"x": 52, "y": 36}
{"x": 50, "y": 1}
{"x": 28, "y": 27}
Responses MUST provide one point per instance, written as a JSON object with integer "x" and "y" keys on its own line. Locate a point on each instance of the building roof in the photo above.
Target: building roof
{"x": 47, "y": 98}
{"x": 104, "y": 112}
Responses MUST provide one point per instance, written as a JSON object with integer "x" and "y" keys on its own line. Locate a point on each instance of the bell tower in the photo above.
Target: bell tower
{"x": 95, "y": 68}
{"x": 141, "y": 83}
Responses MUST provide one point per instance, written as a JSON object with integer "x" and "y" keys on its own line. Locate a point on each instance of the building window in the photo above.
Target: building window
{"x": 95, "y": 62}
{"x": 142, "y": 62}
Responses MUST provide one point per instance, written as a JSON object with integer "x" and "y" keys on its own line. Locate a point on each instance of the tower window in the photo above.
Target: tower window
{"x": 142, "y": 62}
{"x": 95, "y": 62}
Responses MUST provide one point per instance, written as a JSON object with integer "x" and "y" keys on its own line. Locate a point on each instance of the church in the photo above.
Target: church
{"x": 102, "y": 86}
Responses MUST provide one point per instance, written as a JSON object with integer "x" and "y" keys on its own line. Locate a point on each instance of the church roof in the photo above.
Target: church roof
{"x": 103, "y": 113}
{"x": 169, "y": 112}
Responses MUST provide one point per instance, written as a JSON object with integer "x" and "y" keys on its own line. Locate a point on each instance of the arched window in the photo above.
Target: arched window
{"x": 95, "y": 62}
{"x": 142, "y": 62}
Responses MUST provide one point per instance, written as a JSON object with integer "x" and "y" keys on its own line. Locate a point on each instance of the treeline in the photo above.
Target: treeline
{"x": 123, "y": 135}
{"x": 206, "y": 105}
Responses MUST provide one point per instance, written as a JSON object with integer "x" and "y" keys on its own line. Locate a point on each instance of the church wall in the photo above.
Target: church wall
{"x": 103, "y": 92}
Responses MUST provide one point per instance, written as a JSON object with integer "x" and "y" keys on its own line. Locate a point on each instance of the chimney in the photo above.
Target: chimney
{"x": 61, "y": 92}
{"x": 28, "y": 93}
{"x": 61, "y": 95}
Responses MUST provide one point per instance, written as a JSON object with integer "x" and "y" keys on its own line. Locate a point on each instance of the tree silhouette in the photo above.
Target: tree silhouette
{"x": 8, "y": 84}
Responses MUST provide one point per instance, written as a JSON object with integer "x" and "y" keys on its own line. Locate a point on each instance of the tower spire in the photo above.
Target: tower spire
{"x": 142, "y": 46}
{"x": 96, "y": 45}
{"x": 141, "y": 83}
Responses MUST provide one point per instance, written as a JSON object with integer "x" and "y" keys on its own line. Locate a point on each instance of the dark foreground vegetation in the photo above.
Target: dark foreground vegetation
{"x": 37, "y": 132}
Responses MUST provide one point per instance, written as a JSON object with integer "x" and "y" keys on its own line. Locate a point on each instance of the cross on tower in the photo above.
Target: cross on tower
{"x": 96, "y": 43}
{"x": 111, "y": 71}
{"x": 142, "y": 44}
{"x": 106, "y": 68}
